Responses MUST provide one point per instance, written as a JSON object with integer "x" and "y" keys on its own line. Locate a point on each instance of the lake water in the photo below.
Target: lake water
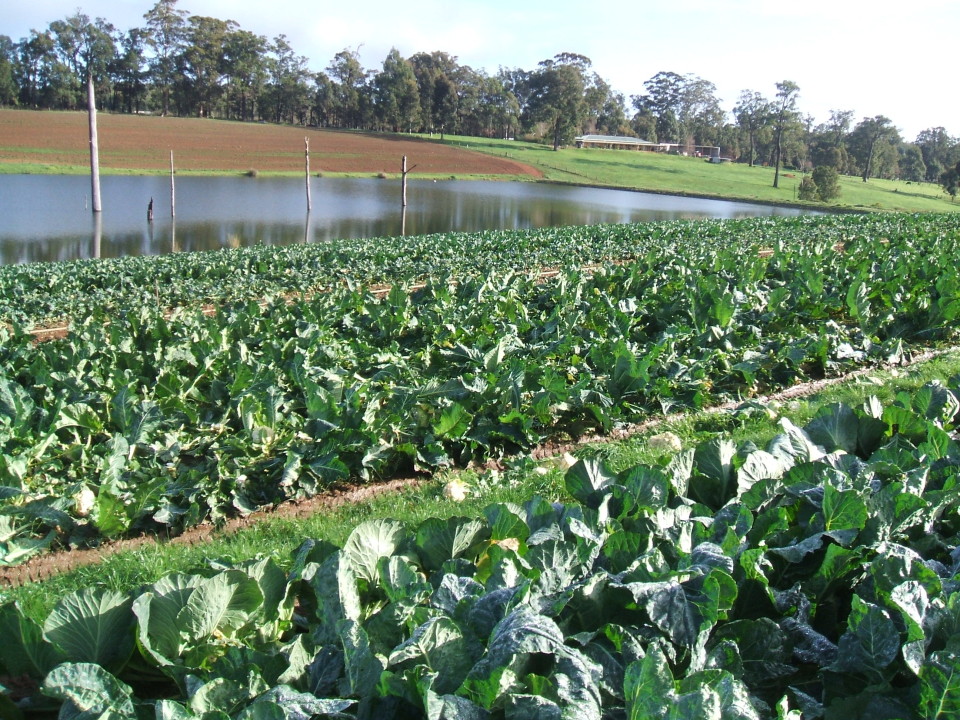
{"x": 45, "y": 218}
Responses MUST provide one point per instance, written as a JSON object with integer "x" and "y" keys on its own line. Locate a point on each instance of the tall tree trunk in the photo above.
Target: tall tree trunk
{"x": 94, "y": 145}
{"x": 306, "y": 171}
{"x": 870, "y": 149}
{"x": 776, "y": 163}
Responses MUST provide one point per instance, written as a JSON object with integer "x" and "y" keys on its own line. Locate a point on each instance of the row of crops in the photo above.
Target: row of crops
{"x": 42, "y": 292}
{"x": 140, "y": 420}
{"x": 818, "y": 577}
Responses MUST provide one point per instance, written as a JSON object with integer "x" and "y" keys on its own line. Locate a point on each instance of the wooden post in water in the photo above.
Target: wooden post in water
{"x": 403, "y": 176}
{"x": 97, "y": 234}
{"x": 94, "y": 145}
{"x": 173, "y": 190}
{"x": 306, "y": 155}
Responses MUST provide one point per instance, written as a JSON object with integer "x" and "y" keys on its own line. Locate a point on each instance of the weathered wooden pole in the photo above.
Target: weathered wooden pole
{"x": 150, "y": 211}
{"x": 403, "y": 176}
{"x": 97, "y": 234}
{"x": 173, "y": 190}
{"x": 94, "y": 145}
{"x": 306, "y": 161}
{"x": 307, "y": 229}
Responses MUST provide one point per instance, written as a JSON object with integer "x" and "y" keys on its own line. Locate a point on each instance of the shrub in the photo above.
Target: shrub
{"x": 827, "y": 182}
{"x": 808, "y": 189}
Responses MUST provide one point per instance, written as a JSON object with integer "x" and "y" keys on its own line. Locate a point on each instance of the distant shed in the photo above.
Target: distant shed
{"x": 614, "y": 142}
{"x": 622, "y": 142}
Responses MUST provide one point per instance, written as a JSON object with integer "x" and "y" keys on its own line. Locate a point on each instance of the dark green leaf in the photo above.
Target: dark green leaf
{"x": 92, "y": 626}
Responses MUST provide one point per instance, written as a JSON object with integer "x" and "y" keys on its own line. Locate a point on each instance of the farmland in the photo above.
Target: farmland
{"x": 811, "y": 571}
{"x": 57, "y": 142}
{"x": 658, "y": 172}
{"x": 192, "y": 387}
{"x": 813, "y": 577}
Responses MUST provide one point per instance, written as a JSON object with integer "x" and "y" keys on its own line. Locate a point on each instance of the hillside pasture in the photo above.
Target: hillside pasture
{"x": 679, "y": 175}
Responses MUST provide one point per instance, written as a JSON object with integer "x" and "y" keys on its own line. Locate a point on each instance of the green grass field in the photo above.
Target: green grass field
{"x": 655, "y": 172}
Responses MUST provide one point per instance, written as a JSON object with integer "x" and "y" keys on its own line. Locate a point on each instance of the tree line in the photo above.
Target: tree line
{"x": 189, "y": 65}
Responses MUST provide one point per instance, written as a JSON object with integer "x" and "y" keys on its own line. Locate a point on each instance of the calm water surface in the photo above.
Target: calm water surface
{"x": 44, "y": 218}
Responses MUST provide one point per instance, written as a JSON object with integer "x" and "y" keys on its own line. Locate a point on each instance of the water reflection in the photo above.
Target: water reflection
{"x": 46, "y": 218}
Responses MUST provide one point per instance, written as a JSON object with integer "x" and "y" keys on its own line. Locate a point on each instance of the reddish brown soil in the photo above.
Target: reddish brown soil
{"x": 133, "y": 142}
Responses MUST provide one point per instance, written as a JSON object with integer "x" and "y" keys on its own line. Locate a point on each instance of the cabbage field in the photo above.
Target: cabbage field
{"x": 816, "y": 576}
{"x": 152, "y": 414}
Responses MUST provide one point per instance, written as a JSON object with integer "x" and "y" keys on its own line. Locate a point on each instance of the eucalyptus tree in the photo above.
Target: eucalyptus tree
{"x": 435, "y": 73}
{"x": 753, "y": 112}
{"x": 661, "y": 103}
{"x": 517, "y": 82}
{"x": 245, "y": 71}
{"x": 870, "y": 140}
{"x": 507, "y": 108}
{"x": 939, "y": 151}
{"x": 349, "y": 89}
{"x": 828, "y": 141}
{"x": 912, "y": 167}
{"x": 469, "y": 86}
{"x": 838, "y": 126}
{"x": 558, "y": 99}
{"x": 496, "y": 112}
{"x": 685, "y": 108}
{"x": 324, "y": 102}
{"x": 128, "y": 71}
{"x": 644, "y": 125}
{"x": 36, "y": 70}
{"x": 8, "y": 86}
{"x": 606, "y": 112}
{"x": 950, "y": 181}
{"x": 166, "y": 28}
{"x": 202, "y": 63}
{"x": 700, "y": 116}
{"x": 663, "y": 92}
{"x": 86, "y": 48}
{"x": 444, "y": 104}
{"x": 288, "y": 91}
{"x": 785, "y": 111}
{"x": 395, "y": 93}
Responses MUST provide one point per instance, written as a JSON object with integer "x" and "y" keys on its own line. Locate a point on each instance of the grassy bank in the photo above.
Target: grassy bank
{"x": 656, "y": 172}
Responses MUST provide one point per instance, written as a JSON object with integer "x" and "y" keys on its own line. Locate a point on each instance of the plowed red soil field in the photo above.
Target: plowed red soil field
{"x": 132, "y": 142}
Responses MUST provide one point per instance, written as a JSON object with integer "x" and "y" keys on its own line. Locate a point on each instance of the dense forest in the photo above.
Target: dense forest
{"x": 188, "y": 65}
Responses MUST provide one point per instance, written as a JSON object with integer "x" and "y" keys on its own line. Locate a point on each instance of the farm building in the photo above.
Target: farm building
{"x": 614, "y": 142}
{"x": 622, "y": 142}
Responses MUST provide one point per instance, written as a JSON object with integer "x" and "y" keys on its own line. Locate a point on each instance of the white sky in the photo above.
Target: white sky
{"x": 874, "y": 57}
